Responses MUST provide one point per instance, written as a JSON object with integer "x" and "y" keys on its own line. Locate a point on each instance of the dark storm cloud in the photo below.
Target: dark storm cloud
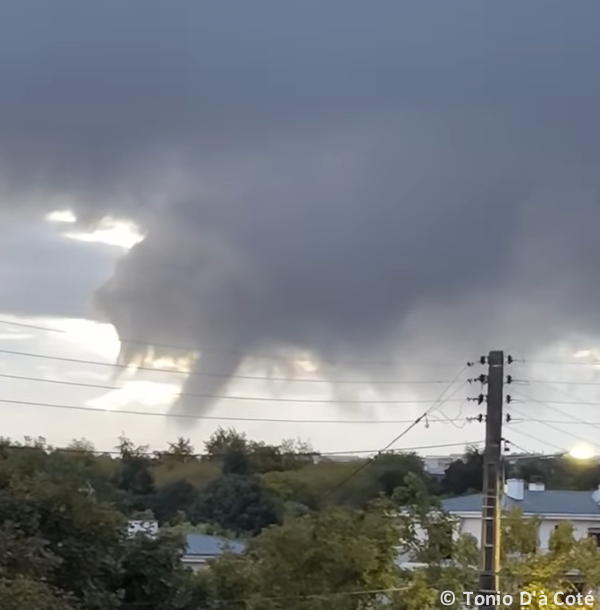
{"x": 310, "y": 173}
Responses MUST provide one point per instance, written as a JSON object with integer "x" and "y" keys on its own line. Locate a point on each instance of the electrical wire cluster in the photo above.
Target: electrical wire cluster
{"x": 434, "y": 413}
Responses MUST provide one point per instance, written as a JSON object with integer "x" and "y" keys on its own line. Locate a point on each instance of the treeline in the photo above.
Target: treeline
{"x": 64, "y": 543}
{"x": 310, "y": 542}
{"x": 237, "y": 487}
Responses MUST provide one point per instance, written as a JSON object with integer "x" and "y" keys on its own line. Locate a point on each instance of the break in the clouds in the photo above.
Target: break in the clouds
{"x": 338, "y": 177}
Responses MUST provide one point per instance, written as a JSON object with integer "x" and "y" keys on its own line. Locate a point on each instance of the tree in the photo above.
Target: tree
{"x": 127, "y": 449}
{"x": 223, "y": 442}
{"x": 182, "y": 452}
{"x": 261, "y": 457}
{"x": 62, "y": 549}
{"x": 173, "y": 499}
{"x": 429, "y": 537}
{"x": 346, "y": 559}
{"x": 389, "y": 470}
{"x": 236, "y": 503}
{"x": 464, "y": 475}
{"x": 56, "y": 540}
{"x": 153, "y": 576}
{"x": 336, "y": 558}
{"x": 566, "y": 566}
{"x": 557, "y": 473}
{"x": 237, "y": 462}
{"x": 134, "y": 478}
{"x": 26, "y": 593}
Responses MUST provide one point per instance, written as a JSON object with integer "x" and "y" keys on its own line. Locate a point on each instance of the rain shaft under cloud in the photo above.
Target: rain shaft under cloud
{"x": 343, "y": 178}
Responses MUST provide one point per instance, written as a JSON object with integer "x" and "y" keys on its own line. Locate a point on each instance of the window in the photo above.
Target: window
{"x": 594, "y": 533}
{"x": 578, "y": 586}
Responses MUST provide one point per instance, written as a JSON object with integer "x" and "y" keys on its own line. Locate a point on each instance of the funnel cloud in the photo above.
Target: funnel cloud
{"x": 340, "y": 178}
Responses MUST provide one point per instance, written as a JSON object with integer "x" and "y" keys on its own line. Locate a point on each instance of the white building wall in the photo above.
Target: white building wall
{"x": 580, "y": 528}
{"x": 194, "y": 563}
{"x": 472, "y": 526}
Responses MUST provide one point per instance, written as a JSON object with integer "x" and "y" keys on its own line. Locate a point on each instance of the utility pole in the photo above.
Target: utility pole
{"x": 492, "y": 476}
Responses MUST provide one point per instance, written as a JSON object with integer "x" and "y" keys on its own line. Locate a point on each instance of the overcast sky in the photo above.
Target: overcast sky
{"x": 300, "y": 190}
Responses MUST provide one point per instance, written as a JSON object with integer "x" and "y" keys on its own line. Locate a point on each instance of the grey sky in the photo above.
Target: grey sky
{"x": 359, "y": 180}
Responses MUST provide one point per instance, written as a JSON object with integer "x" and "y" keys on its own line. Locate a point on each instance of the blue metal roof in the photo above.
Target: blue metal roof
{"x": 548, "y": 502}
{"x": 211, "y": 546}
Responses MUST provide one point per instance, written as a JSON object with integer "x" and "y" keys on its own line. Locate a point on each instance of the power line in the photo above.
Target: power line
{"x": 195, "y": 349}
{"x": 319, "y": 595}
{"x": 566, "y": 402}
{"x": 534, "y": 438}
{"x": 298, "y": 400}
{"x": 562, "y": 422}
{"x": 575, "y": 436}
{"x": 555, "y": 409}
{"x": 518, "y": 447}
{"x": 572, "y": 383}
{"x": 204, "y": 417}
{"x": 551, "y": 384}
{"x": 456, "y": 418}
{"x": 437, "y": 403}
{"x": 201, "y": 374}
{"x": 307, "y": 597}
{"x": 562, "y": 362}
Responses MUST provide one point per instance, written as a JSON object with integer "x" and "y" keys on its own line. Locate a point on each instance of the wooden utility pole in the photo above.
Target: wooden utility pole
{"x": 492, "y": 477}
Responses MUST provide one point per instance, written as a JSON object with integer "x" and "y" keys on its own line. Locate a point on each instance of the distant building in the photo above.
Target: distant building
{"x": 317, "y": 458}
{"x": 552, "y": 507}
{"x": 436, "y": 465}
{"x": 149, "y": 528}
{"x": 580, "y": 508}
{"x": 201, "y": 549}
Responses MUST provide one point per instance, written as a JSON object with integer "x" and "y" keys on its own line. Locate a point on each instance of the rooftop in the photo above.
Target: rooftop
{"x": 211, "y": 546}
{"x": 548, "y": 502}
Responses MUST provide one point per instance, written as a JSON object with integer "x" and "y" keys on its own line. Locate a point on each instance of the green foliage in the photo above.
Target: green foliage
{"x": 464, "y": 475}
{"x": 429, "y": 538}
{"x": 237, "y": 463}
{"x": 45, "y": 517}
{"x": 134, "y": 478}
{"x": 63, "y": 515}
{"x": 567, "y": 562}
{"x": 152, "y": 573}
{"x": 62, "y": 549}
{"x": 261, "y": 458}
{"x": 558, "y": 473}
{"x": 236, "y": 503}
{"x": 310, "y": 563}
{"x": 197, "y": 472}
{"x": 173, "y": 499}
{"x": 181, "y": 452}
{"x": 27, "y": 593}
{"x": 183, "y": 528}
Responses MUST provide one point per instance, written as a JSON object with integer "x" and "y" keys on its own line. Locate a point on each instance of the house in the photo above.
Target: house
{"x": 581, "y": 508}
{"x": 201, "y": 549}
{"x": 148, "y": 528}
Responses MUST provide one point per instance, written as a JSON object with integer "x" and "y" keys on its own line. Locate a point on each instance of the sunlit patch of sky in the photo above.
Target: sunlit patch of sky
{"x": 109, "y": 231}
{"x": 90, "y": 341}
{"x": 145, "y": 393}
{"x": 80, "y": 338}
